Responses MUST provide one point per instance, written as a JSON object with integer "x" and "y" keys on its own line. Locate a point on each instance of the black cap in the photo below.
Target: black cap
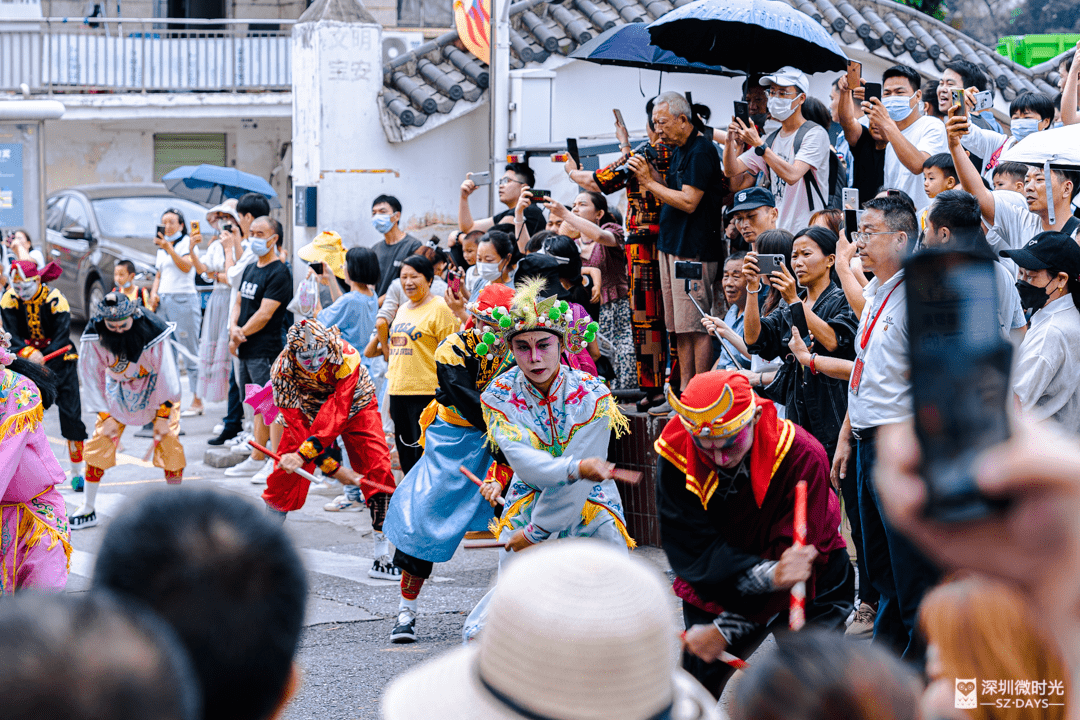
{"x": 1048, "y": 251}
{"x": 751, "y": 198}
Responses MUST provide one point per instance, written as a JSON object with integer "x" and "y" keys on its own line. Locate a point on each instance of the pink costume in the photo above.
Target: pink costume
{"x": 34, "y": 540}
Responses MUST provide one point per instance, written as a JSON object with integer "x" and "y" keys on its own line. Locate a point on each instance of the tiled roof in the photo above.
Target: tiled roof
{"x": 438, "y": 81}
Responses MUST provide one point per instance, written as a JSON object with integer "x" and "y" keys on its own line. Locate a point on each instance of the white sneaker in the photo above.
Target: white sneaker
{"x": 240, "y": 439}
{"x": 342, "y": 504}
{"x": 247, "y": 468}
{"x": 218, "y": 429}
{"x": 259, "y": 478}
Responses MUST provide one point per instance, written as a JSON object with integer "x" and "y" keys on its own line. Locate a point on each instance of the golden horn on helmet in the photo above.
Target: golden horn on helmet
{"x": 703, "y": 416}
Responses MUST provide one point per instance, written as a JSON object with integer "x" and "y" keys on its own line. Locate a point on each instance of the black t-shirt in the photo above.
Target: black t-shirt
{"x": 534, "y": 218}
{"x": 868, "y": 166}
{"x": 271, "y": 282}
{"x": 390, "y": 257}
{"x": 697, "y": 235}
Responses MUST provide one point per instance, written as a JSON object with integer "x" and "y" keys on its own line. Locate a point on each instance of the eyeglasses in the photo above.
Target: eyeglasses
{"x": 507, "y": 181}
{"x": 786, "y": 93}
{"x": 865, "y": 236}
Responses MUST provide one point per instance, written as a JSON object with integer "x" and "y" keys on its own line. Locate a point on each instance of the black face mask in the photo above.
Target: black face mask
{"x": 759, "y": 120}
{"x": 1032, "y": 297}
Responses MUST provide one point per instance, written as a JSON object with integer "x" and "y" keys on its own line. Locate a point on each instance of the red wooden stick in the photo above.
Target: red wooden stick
{"x": 797, "y": 613}
{"x": 305, "y": 474}
{"x": 480, "y": 483}
{"x": 725, "y": 657}
{"x": 56, "y": 353}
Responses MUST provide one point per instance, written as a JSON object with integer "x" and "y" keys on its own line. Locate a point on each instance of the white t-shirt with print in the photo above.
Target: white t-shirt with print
{"x": 927, "y": 134}
{"x": 792, "y": 204}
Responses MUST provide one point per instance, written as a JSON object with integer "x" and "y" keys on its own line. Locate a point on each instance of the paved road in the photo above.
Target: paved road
{"x": 345, "y": 654}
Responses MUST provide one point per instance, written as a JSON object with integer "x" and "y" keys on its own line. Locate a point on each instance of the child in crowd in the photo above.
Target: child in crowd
{"x": 939, "y": 175}
{"x": 124, "y": 278}
{"x": 1010, "y": 176}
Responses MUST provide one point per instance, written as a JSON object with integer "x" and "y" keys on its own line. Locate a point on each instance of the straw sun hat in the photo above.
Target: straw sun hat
{"x": 325, "y": 248}
{"x": 576, "y": 631}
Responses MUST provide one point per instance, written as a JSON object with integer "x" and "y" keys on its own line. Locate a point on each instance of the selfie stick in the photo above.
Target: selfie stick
{"x": 797, "y": 613}
{"x": 715, "y": 332}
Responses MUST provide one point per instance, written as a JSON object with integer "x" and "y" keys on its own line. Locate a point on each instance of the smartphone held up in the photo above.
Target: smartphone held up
{"x": 960, "y": 364}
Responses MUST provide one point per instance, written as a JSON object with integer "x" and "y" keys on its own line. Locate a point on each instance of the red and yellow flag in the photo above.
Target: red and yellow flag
{"x": 473, "y": 21}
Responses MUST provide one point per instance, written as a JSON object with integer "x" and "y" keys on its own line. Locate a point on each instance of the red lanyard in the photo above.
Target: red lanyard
{"x": 870, "y": 328}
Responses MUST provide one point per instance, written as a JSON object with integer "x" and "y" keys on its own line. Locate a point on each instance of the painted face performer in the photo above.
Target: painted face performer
{"x": 129, "y": 377}
{"x": 324, "y": 392}
{"x": 435, "y": 505}
{"x": 553, "y": 424}
{"x": 39, "y": 320}
{"x": 726, "y": 481}
{"x": 34, "y": 538}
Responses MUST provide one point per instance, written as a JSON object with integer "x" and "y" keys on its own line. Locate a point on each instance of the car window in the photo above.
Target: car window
{"x": 54, "y": 212}
{"x": 75, "y": 214}
{"x": 139, "y": 216}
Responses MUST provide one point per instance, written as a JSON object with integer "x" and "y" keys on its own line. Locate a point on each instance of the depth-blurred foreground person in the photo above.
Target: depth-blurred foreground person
{"x": 91, "y": 657}
{"x": 229, "y": 582}
{"x": 981, "y": 628}
{"x": 576, "y": 630}
{"x": 815, "y": 675}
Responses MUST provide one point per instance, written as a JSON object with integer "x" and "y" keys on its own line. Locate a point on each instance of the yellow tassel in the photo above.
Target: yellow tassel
{"x": 497, "y": 524}
{"x": 616, "y": 420}
{"x": 23, "y": 422}
{"x": 592, "y": 508}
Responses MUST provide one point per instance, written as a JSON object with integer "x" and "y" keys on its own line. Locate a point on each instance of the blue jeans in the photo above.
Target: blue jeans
{"x": 897, "y": 569}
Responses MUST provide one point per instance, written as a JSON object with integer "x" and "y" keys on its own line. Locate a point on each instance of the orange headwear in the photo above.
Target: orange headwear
{"x": 720, "y": 404}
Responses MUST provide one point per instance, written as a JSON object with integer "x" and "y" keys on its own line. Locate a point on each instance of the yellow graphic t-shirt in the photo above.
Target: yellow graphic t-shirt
{"x": 414, "y": 335}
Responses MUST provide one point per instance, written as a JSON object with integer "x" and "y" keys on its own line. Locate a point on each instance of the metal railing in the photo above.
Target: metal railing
{"x": 144, "y": 55}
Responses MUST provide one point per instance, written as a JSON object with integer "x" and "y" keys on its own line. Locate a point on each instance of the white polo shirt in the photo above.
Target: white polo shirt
{"x": 880, "y": 394}
{"x": 172, "y": 280}
{"x": 1046, "y": 379}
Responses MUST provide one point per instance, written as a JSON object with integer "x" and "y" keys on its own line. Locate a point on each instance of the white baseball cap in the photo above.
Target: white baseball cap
{"x": 787, "y": 76}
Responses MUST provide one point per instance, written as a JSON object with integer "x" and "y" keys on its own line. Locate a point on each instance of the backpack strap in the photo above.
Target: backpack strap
{"x": 1071, "y": 225}
{"x": 808, "y": 179}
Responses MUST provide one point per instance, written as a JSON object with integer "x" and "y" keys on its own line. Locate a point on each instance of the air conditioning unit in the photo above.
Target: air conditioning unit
{"x": 396, "y": 44}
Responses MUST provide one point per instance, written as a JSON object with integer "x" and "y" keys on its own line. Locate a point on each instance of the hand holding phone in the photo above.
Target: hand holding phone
{"x": 538, "y": 194}
{"x": 854, "y": 74}
{"x": 959, "y": 101}
{"x": 873, "y": 90}
{"x": 742, "y": 112}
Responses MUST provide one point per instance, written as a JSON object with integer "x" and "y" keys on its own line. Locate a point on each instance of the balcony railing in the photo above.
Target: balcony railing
{"x": 144, "y": 55}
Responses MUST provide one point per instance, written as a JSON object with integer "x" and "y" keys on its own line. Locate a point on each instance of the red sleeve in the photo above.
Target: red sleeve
{"x": 331, "y": 418}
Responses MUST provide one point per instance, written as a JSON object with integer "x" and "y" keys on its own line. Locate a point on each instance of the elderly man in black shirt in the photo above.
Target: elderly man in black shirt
{"x": 691, "y": 225}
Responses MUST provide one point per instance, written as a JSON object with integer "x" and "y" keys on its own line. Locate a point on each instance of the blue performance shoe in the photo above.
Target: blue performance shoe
{"x": 77, "y": 483}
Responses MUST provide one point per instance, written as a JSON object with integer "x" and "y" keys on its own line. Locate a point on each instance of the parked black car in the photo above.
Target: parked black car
{"x": 91, "y": 227}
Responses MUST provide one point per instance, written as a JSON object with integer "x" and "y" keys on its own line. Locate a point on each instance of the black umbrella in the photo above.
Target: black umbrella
{"x": 756, "y": 36}
{"x": 629, "y": 45}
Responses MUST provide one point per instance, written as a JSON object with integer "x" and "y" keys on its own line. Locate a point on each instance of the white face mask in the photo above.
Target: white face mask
{"x": 782, "y": 108}
{"x": 770, "y": 126}
{"x": 488, "y": 271}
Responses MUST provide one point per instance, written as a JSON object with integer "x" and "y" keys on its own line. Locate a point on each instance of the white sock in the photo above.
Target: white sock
{"x": 89, "y": 495}
{"x": 78, "y": 469}
{"x": 382, "y": 546}
{"x": 408, "y": 605}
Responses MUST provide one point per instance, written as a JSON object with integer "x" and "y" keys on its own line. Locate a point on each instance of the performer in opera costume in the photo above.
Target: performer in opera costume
{"x": 323, "y": 391}
{"x": 35, "y": 548}
{"x": 435, "y": 505}
{"x": 553, "y": 424}
{"x": 726, "y": 481}
{"x": 39, "y": 320}
{"x": 129, "y": 377}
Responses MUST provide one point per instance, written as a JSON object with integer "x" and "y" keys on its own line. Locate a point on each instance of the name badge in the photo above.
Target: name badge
{"x": 856, "y": 376}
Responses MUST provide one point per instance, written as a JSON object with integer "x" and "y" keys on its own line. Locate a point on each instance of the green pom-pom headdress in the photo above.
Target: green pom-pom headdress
{"x": 529, "y": 313}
